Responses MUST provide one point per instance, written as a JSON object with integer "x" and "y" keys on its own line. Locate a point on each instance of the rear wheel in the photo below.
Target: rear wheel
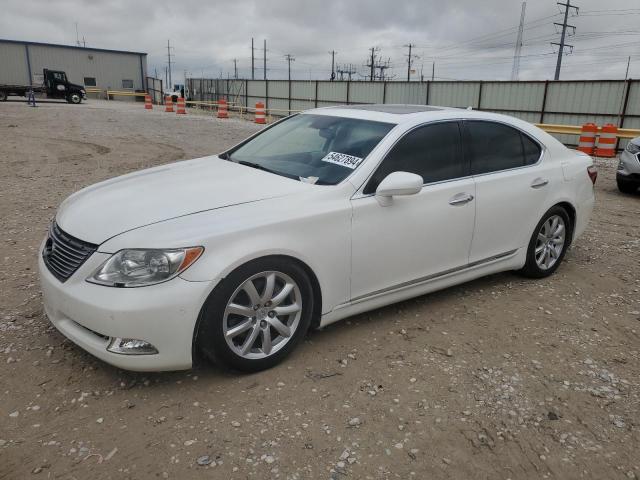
{"x": 548, "y": 244}
{"x": 257, "y": 315}
{"x": 626, "y": 186}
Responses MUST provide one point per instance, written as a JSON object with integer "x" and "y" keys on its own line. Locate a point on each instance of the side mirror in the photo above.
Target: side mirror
{"x": 396, "y": 184}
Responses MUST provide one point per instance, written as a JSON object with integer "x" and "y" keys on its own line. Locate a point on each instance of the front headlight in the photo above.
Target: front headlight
{"x": 633, "y": 148}
{"x": 140, "y": 268}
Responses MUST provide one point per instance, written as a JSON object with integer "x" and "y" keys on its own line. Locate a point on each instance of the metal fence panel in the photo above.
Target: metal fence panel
{"x": 512, "y": 95}
{"x": 366, "y": 92}
{"x": 585, "y": 97}
{"x": 531, "y": 117}
{"x": 278, "y": 106}
{"x": 278, "y": 88}
{"x": 633, "y": 104}
{"x": 413, "y": 93}
{"x": 303, "y": 90}
{"x": 454, "y": 94}
{"x": 256, "y": 88}
{"x": 302, "y": 104}
{"x": 332, "y": 92}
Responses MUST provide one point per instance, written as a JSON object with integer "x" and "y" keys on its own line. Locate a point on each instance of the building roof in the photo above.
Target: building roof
{"x": 74, "y": 47}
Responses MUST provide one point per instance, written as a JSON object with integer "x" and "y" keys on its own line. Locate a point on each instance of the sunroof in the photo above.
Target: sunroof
{"x": 397, "y": 109}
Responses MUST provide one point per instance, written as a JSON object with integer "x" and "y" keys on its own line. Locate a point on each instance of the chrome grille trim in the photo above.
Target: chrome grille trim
{"x": 64, "y": 254}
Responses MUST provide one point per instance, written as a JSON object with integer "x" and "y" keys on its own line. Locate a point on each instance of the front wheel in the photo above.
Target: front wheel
{"x": 548, "y": 244}
{"x": 257, "y": 315}
{"x": 626, "y": 187}
{"x": 74, "y": 98}
{"x": 3, "y": 96}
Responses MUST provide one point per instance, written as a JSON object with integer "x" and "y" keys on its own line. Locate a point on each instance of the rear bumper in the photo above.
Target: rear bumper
{"x": 89, "y": 315}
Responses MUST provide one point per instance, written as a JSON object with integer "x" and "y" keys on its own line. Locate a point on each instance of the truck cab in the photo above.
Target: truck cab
{"x": 58, "y": 86}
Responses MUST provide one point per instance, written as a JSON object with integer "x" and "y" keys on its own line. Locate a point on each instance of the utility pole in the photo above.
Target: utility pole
{"x": 253, "y": 58}
{"x": 169, "y": 79}
{"x": 77, "y": 36}
{"x": 235, "y": 68}
{"x": 433, "y": 71}
{"x": 626, "y": 75}
{"x": 410, "y": 61}
{"x": 289, "y": 60}
{"x": 516, "y": 56}
{"x": 372, "y": 64}
{"x": 333, "y": 64}
{"x": 265, "y": 59}
{"x": 564, "y": 26}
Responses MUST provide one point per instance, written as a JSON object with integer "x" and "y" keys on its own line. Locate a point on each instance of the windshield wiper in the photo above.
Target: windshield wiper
{"x": 257, "y": 166}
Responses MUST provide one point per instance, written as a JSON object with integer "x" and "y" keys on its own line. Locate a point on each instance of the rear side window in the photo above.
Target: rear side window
{"x": 433, "y": 152}
{"x": 494, "y": 146}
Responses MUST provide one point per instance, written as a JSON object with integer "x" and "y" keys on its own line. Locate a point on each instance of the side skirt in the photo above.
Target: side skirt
{"x": 511, "y": 260}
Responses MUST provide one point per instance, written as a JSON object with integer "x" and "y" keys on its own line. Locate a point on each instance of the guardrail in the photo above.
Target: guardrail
{"x": 125, "y": 93}
{"x": 576, "y": 130}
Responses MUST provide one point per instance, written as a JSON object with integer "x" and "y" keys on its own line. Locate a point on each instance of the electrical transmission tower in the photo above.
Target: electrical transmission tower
{"x": 333, "y": 64}
{"x": 372, "y": 63}
{"x": 382, "y": 67}
{"x": 567, "y": 6}
{"x": 346, "y": 70}
{"x": 410, "y": 58}
{"x": 516, "y": 56}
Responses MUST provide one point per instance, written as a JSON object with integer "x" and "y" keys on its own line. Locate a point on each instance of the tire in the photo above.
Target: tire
{"x": 3, "y": 96}
{"x": 542, "y": 263}
{"x": 74, "y": 98}
{"x": 627, "y": 187}
{"x": 218, "y": 321}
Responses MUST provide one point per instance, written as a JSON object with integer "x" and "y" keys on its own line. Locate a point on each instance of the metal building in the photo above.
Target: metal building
{"x": 22, "y": 63}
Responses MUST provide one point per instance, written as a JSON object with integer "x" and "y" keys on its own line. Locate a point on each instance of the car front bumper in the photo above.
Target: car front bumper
{"x": 90, "y": 315}
{"x": 629, "y": 165}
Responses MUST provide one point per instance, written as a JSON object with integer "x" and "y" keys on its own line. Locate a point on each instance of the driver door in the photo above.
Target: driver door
{"x": 416, "y": 236}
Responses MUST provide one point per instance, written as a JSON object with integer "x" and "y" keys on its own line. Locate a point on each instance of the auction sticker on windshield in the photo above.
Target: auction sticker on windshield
{"x": 342, "y": 159}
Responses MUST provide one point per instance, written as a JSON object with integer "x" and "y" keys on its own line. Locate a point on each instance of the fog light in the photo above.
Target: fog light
{"x": 131, "y": 346}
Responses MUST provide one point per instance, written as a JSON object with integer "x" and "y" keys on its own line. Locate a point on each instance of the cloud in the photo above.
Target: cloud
{"x": 467, "y": 39}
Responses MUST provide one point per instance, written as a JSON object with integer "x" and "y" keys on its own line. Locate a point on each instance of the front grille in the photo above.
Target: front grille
{"x": 63, "y": 254}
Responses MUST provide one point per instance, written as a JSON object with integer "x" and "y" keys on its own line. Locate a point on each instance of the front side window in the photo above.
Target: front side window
{"x": 432, "y": 151}
{"x": 60, "y": 76}
{"x": 494, "y": 146}
{"x": 314, "y": 148}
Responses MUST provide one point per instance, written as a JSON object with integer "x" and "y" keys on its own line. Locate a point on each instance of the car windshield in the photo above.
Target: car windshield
{"x": 312, "y": 148}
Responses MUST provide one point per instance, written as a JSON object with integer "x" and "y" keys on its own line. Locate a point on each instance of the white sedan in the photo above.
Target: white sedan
{"x": 318, "y": 217}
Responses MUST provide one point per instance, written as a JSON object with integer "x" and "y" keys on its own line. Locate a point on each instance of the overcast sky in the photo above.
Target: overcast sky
{"x": 467, "y": 39}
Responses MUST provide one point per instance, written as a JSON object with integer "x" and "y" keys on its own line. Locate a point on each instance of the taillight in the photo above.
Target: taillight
{"x": 593, "y": 173}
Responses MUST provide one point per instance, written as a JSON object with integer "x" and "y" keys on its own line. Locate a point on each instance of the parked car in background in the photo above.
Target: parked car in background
{"x": 628, "y": 174}
{"x": 323, "y": 215}
{"x": 177, "y": 91}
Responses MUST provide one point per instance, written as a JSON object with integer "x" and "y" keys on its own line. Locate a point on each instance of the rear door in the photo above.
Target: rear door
{"x": 512, "y": 183}
{"x": 421, "y": 235}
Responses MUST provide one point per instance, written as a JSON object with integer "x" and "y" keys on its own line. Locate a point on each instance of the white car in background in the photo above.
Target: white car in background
{"x": 318, "y": 217}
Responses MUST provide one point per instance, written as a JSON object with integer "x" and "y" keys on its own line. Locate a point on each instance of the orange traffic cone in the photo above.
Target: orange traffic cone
{"x": 587, "y": 140}
{"x": 222, "y": 109}
{"x": 260, "y": 113}
{"x": 147, "y": 102}
{"x": 168, "y": 104}
{"x": 181, "y": 109}
{"x": 607, "y": 141}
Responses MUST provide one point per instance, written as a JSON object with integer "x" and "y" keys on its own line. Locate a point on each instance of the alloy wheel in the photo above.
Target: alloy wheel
{"x": 550, "y": 242}
{"x": 262, "y": 315}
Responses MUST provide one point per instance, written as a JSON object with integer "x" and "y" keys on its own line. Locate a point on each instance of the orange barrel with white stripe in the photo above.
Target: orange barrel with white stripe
{"x": 607, "y": 141}
{"x": 587, "y": 140}
{"x": 260, "y": 113}
{"x": 181, "y": 109}
{"x": 222, "y": 109}
{"x": 168, "y": 104}
{"x": 147, "y": 102}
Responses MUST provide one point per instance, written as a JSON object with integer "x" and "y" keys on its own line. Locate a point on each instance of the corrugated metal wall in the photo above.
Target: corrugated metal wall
{"x": 563, "y": 102}
{"x": 107, "y": 67}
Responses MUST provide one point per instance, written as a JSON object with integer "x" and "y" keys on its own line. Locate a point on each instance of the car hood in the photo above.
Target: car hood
{"x": 106, "y": 209}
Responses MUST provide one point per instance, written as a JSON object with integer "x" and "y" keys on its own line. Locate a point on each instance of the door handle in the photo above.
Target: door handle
{"x": 460, "y": 199}
{"x": 539, "y": 182}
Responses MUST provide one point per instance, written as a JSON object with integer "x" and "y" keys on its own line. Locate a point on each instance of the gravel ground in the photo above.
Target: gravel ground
{"x": 498, "y": 378}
